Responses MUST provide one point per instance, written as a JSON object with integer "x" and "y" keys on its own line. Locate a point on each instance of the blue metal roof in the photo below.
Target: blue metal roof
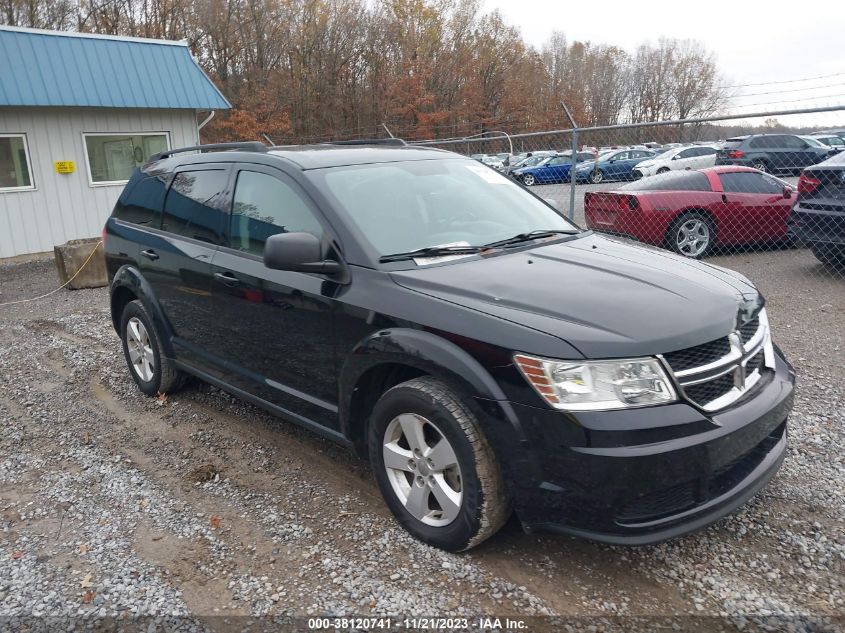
{"x": 51, "y": 68}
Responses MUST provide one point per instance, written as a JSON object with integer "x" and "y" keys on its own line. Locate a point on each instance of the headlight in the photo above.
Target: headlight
{"x": 590, "y": 385}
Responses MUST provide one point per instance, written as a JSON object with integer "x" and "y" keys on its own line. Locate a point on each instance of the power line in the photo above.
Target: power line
{"x": 785, "y": 81}
{"x": 775, "y": 92}
{"x": 749, "y": 105}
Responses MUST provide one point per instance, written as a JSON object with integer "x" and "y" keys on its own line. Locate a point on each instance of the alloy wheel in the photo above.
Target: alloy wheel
{"x": 692, "y": 237}
{"x": 423, "y": 469}
{"x": 596, "y": 177}
{"x": 140, "y": 349}
{"x": 528, "y": 179}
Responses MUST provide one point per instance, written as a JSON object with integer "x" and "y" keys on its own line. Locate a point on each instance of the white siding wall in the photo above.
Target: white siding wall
{"x": 65, "y": 206}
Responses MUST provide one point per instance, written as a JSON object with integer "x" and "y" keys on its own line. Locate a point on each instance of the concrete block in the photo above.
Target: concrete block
{"x": 72, "y": 255}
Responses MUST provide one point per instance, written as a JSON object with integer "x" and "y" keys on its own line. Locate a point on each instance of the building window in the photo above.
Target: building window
{"x": 15, "y": 166}
{"x": 113, "y": 157}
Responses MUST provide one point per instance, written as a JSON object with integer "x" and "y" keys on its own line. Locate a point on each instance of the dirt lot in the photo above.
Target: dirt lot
{"x": 198, "y": 509}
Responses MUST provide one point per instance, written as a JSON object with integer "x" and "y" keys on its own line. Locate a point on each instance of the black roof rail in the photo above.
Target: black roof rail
{"x": 368, "y": 141}
{"x": 248, "y": 146}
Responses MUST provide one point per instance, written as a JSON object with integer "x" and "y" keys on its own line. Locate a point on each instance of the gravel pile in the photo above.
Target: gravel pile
{"x": 193, "y": 511}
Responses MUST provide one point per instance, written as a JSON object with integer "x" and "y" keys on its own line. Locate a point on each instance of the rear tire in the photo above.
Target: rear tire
{"x": 692, "y": 235}
{"x": 152, "y": 371}
{"x": 760, "y": 164}
{"x": 435, "y": 468}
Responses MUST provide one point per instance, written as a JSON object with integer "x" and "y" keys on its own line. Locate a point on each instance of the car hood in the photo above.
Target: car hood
{"x": 607, "y": 297}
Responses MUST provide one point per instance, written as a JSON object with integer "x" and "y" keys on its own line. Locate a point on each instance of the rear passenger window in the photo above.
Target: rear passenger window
{"x": 763, "y": 142}
{"x": 264, "y": 206}
{"x": 192, "y": 206}
{"x": 142, "y": 202}
{"x": 749, "y": 182}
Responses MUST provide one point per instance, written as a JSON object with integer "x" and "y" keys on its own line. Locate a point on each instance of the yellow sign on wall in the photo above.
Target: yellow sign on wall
{"x": 65, "y": 166}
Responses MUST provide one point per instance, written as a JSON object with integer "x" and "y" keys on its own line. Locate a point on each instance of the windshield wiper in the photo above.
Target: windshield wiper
{"x": 431, "y": 251}
{"x": 531, "y": 235}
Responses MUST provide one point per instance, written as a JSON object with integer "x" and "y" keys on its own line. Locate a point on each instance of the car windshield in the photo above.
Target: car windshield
{"x": 409, "y": 205}
{"x": 814, "y": 141}
{"x": 667, "y": 154}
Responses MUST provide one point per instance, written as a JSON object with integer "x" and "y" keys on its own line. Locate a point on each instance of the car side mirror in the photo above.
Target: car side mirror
{"x": 676, "y": 157}
{"x": 787, "y": 192}
{"x": 299, "y": 252}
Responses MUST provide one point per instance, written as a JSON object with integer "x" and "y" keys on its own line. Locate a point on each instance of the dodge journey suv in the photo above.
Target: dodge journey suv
{"x": 484, "y": 353}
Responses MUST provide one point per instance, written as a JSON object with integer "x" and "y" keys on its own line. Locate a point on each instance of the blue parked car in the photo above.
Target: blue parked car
{"x": 612, "y": 165}
{"x": 551, "y": 169}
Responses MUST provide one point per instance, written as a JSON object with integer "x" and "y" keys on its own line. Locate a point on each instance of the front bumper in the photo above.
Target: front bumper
{"x": 641, "y": 476}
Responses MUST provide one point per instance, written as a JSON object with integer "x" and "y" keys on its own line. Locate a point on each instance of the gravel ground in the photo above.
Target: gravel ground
{"x": 197, "y": 510}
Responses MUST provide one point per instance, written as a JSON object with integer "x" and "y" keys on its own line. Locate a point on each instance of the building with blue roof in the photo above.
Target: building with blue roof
{"x": 78, "y": 113}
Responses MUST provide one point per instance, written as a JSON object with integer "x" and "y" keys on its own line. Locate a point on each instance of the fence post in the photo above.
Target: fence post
{"x": 574, "y": 161}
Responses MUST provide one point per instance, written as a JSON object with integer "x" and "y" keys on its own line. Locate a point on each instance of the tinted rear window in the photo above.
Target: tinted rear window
{"x": 671, "y": 181}
{"x": 192, "y": 206}
{"x": 141, "y": 201}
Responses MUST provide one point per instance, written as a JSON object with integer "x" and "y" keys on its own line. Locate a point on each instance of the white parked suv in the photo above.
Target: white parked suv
{"x": 695, "y": 157}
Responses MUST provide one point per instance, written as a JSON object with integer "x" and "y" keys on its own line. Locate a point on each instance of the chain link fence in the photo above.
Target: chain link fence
{"x": 769, "y": 187}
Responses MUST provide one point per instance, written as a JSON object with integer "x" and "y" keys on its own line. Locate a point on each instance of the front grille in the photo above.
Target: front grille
{"x": 716, "y": 374}
{"x": 699, "y": 355}
{"x": 749, "y": 329}
{"x": 756, "y": 363}
{"x": 709, "y": 391}
{"x": 676, "y": 499}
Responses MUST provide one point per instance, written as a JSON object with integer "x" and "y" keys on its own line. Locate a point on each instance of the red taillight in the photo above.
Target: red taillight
{"x": 807, "y": 184}
{"x": 735, "y": 153}
{"x": 629, "y": 203}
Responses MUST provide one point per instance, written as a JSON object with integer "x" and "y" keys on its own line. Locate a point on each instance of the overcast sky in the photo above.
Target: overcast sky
{"x": 754, "y": 42}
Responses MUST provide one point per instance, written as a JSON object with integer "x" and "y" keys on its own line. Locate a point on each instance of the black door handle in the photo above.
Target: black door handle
{"x": 150, "y": 254}
{"x": 227, "y": 279}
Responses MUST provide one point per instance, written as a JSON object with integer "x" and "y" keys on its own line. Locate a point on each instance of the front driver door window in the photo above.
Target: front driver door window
{"x": 276, "y": 325}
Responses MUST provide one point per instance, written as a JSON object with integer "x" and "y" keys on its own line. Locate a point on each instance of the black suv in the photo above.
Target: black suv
{"x": 484, "y": 353}
{"x": 818, "y": 217}
{"x": 774, "y": 153}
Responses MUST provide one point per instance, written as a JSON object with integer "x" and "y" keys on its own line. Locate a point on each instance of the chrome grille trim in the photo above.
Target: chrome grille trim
{"x": 734, "y": 362}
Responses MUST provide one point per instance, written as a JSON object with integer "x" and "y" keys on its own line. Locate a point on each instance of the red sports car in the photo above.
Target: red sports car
{"x": 692, "y": 211}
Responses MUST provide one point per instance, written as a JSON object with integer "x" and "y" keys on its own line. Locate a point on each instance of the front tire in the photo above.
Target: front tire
{"x": 596, "y": 177}
{"x": 663, "y": 170}
{"x": 528, "y": 180}
{"x": 152, "y": 371}
{"x": 434, "y": 466}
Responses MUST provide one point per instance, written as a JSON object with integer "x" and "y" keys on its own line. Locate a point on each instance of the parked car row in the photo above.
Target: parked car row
{"x": 772, "y": 153}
